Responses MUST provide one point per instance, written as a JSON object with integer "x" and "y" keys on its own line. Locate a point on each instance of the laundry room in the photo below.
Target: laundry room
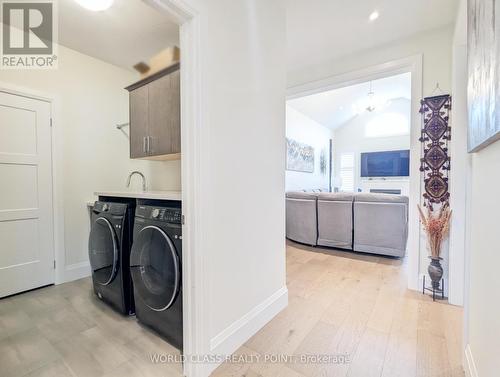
{"x": 92, "y": 161}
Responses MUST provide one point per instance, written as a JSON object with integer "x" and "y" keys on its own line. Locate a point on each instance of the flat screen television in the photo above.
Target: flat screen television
{"x": 385, "y": 164}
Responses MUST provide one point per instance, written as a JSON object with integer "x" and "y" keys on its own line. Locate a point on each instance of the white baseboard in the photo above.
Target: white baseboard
{"x": 76, "y": 271}
{"x": 470, "y": 365}
{"x": 235, "y": 335}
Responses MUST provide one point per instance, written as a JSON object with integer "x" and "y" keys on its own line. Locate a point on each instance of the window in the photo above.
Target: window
{"x": 347, "y": 171}
{"x": 388, "y": 124}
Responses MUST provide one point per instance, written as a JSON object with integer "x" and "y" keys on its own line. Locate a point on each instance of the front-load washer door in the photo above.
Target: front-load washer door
{"x": 103, "y": 251}
{"x": 155, "y": 268}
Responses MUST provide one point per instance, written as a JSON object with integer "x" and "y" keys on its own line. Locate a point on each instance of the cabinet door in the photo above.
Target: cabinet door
{"x": 165, "y": 115}
{"x": 139, "y": 119}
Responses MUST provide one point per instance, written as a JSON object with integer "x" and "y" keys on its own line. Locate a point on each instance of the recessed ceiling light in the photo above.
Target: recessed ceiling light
{"x": 373, "y": 16}
{"x": 95, "y": 5}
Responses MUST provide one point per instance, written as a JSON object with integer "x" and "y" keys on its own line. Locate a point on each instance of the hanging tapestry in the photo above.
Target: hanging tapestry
{"x": 435, "y": 135}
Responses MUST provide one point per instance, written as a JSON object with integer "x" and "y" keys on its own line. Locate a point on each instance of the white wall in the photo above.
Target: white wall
{"x": 241, "y": 168}
{"x": 483, "y": 336}
{"x": 435, "y": 46}
{"x": 479, "y": 186}
{"x": 460, "y": 163}
{"x": 351, "y": 138}
{"x": 245, "y": 235}
{"x": 305, "y": 130}
{"x": 92, "y": 154}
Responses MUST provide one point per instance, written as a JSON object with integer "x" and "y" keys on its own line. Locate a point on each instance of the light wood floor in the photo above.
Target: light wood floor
{"x": 339, "y": 304}
{"x": 65, "y": 330}
{"x": 343, "y": 303}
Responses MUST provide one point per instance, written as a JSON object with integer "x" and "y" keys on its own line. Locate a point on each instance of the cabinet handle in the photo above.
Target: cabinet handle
{"x": 144, "y": 144}
{"x": 150, "y": 144}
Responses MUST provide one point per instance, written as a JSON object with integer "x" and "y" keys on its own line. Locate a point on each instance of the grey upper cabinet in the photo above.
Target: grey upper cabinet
{"x": 155, "y": 120}
{"x": 164, "y": 114}
{"x": 139, "y": 121}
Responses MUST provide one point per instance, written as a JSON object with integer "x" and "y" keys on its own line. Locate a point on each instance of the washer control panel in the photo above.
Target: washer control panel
{"x": 165, "y": 214}
{"x": 111, "y": 208}
{"x": 155, "y": 213}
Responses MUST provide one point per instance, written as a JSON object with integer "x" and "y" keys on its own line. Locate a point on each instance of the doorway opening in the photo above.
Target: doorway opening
{"x": 367, "y": 125}
{"x": 90, "y": 149}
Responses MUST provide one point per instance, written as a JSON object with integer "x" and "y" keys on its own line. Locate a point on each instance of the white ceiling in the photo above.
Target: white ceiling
{"x": 128, "y": 32}
{"x": 335, "y": 107}
{"x": 317, "y": 30}
{"x": 324, "y": 30}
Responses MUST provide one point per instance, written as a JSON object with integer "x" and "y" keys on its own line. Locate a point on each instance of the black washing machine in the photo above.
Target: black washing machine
{"x": 156, "y": 265}
{"x": 109, "y": 254}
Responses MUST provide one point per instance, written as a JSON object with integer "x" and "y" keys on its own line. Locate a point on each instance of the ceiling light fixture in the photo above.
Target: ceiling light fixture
{"x": 95, "y": 5}
{"x": 371, "y": 103}
{"x": 373, "y": 15}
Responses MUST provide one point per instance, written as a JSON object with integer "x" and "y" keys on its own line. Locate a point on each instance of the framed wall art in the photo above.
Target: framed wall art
{"x": 483, "y": 88}
{"x": 299, "y": 156}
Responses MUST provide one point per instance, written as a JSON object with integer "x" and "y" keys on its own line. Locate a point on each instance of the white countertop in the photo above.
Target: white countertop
{"x": 159, "y": 195}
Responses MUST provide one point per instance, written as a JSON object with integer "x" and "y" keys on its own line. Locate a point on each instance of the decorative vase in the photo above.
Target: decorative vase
{"x": 435, "y": 272}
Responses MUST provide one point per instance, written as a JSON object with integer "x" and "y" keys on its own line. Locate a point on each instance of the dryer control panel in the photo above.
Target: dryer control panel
{"x": 165, "y": 214}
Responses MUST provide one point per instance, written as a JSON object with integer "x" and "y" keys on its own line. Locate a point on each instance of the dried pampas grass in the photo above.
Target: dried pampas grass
{"x": 436, "y": 226}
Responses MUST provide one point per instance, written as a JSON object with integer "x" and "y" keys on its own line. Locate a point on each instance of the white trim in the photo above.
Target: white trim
{"x": 459, "y": 179}
{"x": 470, "y": 366}
{"x": 25, "y": 92}
{"x": 354, "y": 77}
{"x": 193, "y": 144}
{"x": 411, "y": 64}
{"x": 233, "y": 336}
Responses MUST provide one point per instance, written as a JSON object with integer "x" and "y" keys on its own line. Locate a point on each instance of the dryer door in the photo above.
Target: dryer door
{"x": 103, "y": 251}
{"x": 155, "y": 268}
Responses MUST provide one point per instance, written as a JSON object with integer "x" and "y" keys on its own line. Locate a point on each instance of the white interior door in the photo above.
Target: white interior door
{"x": 26, "y": 218}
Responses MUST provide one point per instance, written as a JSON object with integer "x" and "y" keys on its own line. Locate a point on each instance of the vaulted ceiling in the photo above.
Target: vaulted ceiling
{"x": 333, "y": 108}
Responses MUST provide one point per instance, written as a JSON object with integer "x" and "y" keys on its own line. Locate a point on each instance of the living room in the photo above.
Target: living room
{"x": 348, "y": 156}
{"x": 366, "y": 123}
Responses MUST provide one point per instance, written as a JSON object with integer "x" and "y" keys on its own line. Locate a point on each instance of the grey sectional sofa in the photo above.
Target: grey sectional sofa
{"x": 380, "y": 224}
{"x": 370, "y": 223}
{"x": 335, "y": 220}
{"x": 301, "y": 218}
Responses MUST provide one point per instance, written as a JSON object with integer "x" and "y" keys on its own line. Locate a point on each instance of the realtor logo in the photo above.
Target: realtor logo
{"x": 29, "y": 31}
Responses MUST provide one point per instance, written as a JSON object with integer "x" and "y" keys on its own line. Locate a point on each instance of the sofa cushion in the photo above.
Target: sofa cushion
{"x": 381, "y": 224}
{"x": 385, "y": 198}
{"x": 336, "y": 196}
{"x": 301, "y": 195}
{"x": 301, "y": 218}
{"x": 335, "y": 223}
